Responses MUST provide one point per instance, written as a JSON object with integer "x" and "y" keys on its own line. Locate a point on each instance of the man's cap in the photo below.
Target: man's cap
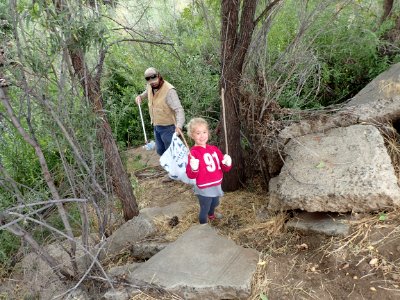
{"x": 150, "y": 71}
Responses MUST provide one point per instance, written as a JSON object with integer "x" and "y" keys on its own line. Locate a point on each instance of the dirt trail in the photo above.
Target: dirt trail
{"x": 293, "y": 265}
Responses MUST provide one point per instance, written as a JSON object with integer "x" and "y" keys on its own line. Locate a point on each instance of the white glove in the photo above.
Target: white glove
{"x": 194, "y": 164}
{"x": 227, "y": 161}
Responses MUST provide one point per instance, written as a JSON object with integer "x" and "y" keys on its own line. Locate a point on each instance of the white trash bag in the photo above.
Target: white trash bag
{"x": 175, "y": 159}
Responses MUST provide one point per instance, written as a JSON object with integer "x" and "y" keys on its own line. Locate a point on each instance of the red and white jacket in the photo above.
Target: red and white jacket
{"x": 210, "y": 166}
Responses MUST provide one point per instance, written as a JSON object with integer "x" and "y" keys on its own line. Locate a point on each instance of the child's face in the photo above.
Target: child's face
{"x": 200, "y": 135}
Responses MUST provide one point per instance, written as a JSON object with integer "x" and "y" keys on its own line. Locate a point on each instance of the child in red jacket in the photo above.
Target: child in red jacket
{"x": 206, "y": 164}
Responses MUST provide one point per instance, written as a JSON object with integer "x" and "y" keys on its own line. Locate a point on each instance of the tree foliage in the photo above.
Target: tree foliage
{"x": 49, "y": 99}
{"x": 187, "y": 57}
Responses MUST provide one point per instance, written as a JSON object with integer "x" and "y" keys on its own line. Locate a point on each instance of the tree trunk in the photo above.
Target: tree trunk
{"x": 235, "y": 40}
{"x": 121, "y": 182}
{"x": 236, "y": 177}
{"x": 387, "y": 9}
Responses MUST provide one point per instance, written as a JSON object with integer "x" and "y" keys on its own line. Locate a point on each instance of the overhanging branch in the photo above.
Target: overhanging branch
{"x": 266, "y": 11}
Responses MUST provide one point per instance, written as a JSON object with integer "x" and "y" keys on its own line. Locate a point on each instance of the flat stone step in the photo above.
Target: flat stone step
{"x": 201, "y": 264}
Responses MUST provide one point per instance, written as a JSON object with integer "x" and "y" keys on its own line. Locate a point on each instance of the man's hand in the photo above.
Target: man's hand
{"x": 178, "y": 131}
{"x": 227, "y": 160}
{"x": 194, "y": 164}
{"x": 138, "y": 100}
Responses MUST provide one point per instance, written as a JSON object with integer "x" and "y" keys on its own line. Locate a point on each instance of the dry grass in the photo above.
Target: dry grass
{"x": 359, "y": 240}
{"x": 370, "y": 234}
{"x": 241, "y": 219}
{"x": 247, "y": 223}
{"x": 172, "y": 233}
{"x": 392, "y": 142}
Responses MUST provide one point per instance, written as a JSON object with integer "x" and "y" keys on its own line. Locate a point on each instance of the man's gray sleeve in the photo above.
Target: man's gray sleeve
{"x": 144, "y": 94}
{"x": 175, "y": 104}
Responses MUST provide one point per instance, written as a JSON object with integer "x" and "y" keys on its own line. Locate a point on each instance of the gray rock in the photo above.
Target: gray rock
{"x": 77, "y": 294}
{"x": 179, "y": 209}
{"x": 342, "y": 170}
{"x": 136, "y": 230}
{"x": 322, "y": 223}
{"x": 37, "y": 278}
{"x": 201, "y": 265}
{"x": 119, "y": 294}
{"x": 122, "y": 271}
{"x": 145, "y": 250}
{"x": 128, "y": 234}
{"x": 380, "y": 99}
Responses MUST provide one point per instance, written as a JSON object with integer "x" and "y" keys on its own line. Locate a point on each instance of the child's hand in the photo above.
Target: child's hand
{"x": 227, "y": 161}
{"x": 194, "y": 164}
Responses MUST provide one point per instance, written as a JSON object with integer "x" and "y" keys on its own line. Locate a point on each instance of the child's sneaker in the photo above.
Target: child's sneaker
{"x": 215, "y": 216}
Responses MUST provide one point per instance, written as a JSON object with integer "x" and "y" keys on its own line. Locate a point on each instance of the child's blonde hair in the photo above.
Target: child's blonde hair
{"x": 193, "y": 123}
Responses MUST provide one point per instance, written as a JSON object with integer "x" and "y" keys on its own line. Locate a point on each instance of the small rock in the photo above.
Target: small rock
{"x": 303, "y": 246}
{"x": 344, "y": 266}
{"x": 373, "y": 262}
{"x": 313, "y": 269}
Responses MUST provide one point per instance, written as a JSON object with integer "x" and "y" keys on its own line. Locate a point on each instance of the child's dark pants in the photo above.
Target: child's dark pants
{"x": 207, "y": 207}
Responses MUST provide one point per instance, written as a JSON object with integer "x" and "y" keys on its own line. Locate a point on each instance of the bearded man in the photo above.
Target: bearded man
{"x": 166, "y": 112}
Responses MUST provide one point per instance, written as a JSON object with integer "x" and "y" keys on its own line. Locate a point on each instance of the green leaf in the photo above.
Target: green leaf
{"x": 382, "y": 217}
{"x": 263, "y": 296}
{"x": 320, "y": 165}
{"x": 36, "y": 7}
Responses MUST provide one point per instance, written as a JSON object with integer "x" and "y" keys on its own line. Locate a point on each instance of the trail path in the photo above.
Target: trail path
{"x": 292, "y": 264}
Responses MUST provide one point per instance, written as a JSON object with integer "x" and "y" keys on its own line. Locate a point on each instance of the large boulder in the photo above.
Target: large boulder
{"x": 38, "y": 281}
{"x": 131, "y": 232}
{"x": 380, "y": 99}
{"x": 342, "y": 170}
{"x": 377, "y": 101}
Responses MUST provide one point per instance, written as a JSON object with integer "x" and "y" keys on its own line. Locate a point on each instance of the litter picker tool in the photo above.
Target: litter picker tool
{"x": 183, "y": 136}
{"x": 149, "y": 145}
{"x": 184, "y": 140}
{"x": 224, "y": 119}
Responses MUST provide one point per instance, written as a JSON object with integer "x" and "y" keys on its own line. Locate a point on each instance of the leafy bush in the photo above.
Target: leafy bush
{"x": 323, "y": 55}
{"x": 9, "y": 247}
{"x": 192, "y": 66}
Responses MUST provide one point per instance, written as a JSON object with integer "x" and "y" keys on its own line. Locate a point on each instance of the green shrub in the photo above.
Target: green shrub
{"x": 336, "y": 55}
{"x": 9, "y": 247}
{"x": 192, "y": 66}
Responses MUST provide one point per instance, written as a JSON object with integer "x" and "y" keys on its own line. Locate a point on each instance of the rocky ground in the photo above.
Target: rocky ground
{"x": 293, "y": 265}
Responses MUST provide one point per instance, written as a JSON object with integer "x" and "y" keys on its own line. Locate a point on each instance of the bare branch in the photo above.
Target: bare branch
{"x": 54, "y": 265}
{"x": 42, "y": 160}
{"x": 263, "y": 15}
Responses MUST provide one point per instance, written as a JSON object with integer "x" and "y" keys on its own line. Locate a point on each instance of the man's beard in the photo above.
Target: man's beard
{"x": 159, "y": 84}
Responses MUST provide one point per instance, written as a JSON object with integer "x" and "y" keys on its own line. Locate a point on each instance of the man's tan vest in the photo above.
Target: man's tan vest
{"x": 160, "y": 112}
